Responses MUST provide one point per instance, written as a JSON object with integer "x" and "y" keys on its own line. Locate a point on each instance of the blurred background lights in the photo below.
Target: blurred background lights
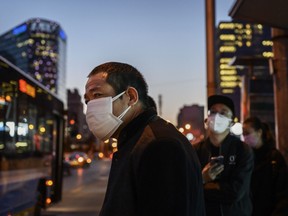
{"x": 187, "y": 126}
{"x": 78, "y": 136}
{"x": 189, "y": 136}
{"x": 42, "y": 129}
{"x": 237, "y": 129}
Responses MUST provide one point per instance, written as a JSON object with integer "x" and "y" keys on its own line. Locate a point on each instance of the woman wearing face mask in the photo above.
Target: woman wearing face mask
{"x": 226, "y": 162}
{"x": 269, "y": 178}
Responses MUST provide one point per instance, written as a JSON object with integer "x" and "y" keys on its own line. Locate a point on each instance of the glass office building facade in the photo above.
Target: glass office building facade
{"x": 251, "y": 43}
{"x": 239, "y": 39}
{"x": 38, "y": 47}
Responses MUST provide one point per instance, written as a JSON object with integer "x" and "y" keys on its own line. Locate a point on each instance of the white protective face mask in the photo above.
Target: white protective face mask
{"x": 218, "y": 123}
{"x": 100, "y": 119}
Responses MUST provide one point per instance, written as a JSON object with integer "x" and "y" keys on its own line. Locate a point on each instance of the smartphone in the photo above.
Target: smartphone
{"x": 219, "y": 160}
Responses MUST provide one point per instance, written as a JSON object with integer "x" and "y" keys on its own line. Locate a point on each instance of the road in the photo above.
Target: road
{"x": 83, "y": 191}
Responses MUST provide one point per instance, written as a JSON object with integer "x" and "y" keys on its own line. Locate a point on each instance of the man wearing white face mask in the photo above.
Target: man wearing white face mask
{"x": 227, "y": 163}
{"x": 156, "y": 170}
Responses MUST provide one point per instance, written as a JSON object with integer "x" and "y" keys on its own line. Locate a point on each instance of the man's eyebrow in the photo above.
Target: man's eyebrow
{"x": 92, "y": 87}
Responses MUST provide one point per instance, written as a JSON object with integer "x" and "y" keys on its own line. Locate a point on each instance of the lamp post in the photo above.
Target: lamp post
{"x": 210, "y": 50}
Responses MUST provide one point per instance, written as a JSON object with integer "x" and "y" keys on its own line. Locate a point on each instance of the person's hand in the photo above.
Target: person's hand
{"x": 210, "y": 172}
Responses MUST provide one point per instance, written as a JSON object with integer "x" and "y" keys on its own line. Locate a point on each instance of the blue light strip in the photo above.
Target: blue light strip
{"x": 19, "y": 29}
{"x": 62, "y": 34}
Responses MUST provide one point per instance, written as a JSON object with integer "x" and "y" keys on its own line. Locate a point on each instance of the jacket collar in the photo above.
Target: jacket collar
{"x": 136, "y": 126}
{"x": 223, "y": 146}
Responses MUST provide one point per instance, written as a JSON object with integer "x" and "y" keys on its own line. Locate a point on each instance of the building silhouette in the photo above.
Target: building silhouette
{"x": 190, "y": 122}
{"x": 38, "y": 47}
{"x": 78, "y": 133}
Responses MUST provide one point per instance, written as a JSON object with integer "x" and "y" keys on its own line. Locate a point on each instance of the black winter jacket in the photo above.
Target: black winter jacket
{"x": 154, "y": 172}
{"x": 233, "y": 197}
{"x": 269, "y": 183}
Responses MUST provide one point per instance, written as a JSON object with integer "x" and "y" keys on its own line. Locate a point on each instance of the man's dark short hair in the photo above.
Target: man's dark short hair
{"x": 121, "y": 76}
{"x": 152, "y": 103}
{"x": 221, "y": 99}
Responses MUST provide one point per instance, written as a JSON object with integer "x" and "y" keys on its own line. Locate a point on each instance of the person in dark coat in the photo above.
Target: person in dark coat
{"x": 155, "y": 170}
{"x": 226, "y": 161}
{"x": 269, "y": 178}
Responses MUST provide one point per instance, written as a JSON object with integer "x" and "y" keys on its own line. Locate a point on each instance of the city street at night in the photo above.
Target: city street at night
{"x": 188, "y": 100}
{"x": 83, "y": 191}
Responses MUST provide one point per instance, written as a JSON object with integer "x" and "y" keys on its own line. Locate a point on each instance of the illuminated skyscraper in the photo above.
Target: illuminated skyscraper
{"x": 246, "y": 41}
{"x": 38, "y": 47}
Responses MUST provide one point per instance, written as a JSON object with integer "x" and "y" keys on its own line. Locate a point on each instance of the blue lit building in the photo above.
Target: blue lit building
{"x": 38, "y": 47}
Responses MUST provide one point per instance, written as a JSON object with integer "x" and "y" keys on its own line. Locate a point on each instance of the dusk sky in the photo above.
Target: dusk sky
{"x": 163, "y": 39}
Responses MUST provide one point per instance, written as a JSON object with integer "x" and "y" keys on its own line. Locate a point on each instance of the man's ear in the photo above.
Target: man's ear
{"x": 133, "y": 96}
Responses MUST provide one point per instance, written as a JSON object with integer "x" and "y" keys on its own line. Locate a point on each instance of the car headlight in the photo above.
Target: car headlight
{"x": 80, "y": 159}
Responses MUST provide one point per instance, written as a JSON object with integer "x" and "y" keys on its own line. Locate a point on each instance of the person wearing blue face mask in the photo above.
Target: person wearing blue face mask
{"x": 227, "y": 163}
{"x": 156, "y": 170}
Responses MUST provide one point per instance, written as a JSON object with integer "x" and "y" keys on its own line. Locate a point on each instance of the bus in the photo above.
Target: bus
{"x": 31, "y": 143}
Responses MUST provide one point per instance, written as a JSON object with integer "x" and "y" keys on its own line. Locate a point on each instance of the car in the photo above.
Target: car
{"x": 79, "y": 159}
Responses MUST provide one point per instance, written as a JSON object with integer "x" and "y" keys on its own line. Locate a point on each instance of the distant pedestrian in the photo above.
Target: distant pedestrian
{"x": 269, "y": 179}
{"x": 155, "y": 170}
{"x": 226, "y": 161}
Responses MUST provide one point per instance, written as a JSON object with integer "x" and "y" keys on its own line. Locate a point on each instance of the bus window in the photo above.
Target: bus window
{"x": 31, "y": 138}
